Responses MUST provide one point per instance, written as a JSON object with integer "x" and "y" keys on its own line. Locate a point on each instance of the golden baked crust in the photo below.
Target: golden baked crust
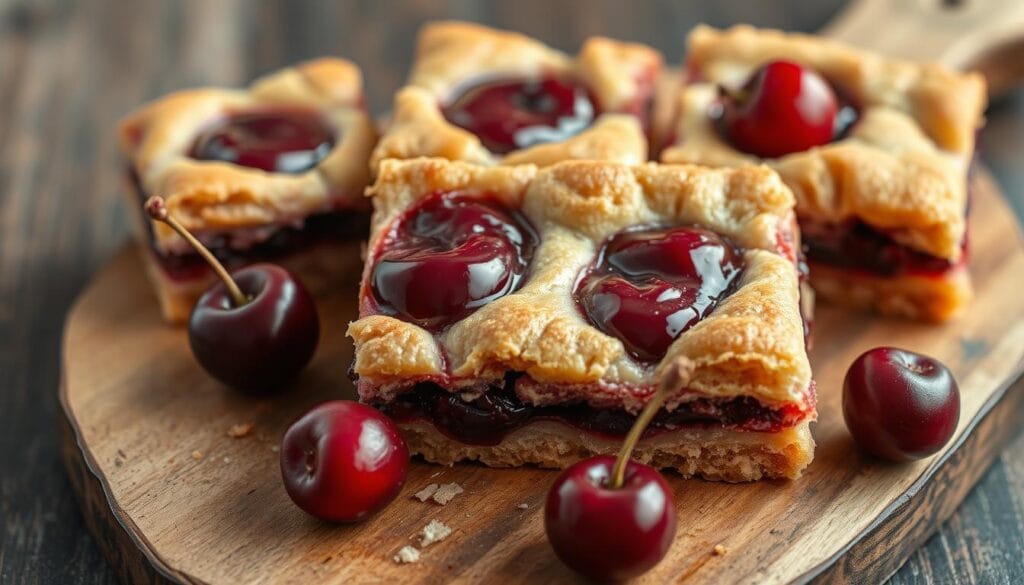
{"x": 208, "y": 197}
{"x": 449, "y": 54}
{"x": 751, "y": 345}
{"x": 709, "y": 453}
{"x": 902, "y": 168}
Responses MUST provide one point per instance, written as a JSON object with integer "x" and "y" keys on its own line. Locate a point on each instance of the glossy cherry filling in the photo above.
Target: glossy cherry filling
{"x": 509, "y": 114}
{"x": 498, "y": 411}
{"x": 293, "y": 140}
{"x": 282, "y": 242}
{"x": 854, "y": 245}
{"x": 650, "y": 285}
{"x": 448, "y": 256}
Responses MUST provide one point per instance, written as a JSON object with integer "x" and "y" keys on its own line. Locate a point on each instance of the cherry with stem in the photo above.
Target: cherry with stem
{"x": 256, "y": 328}
{"x": 614, "y": 518}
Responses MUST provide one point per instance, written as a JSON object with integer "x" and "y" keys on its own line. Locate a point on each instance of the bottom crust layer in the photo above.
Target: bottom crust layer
{"x": 710, "y": 453}
{"x": 321, "y": 268}
{"x": 930, "y": 298}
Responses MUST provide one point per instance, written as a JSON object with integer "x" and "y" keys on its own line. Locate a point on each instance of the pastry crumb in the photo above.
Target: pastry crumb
{"x": 227, "y": 460}
{"x": 408, "y": 554}
{"x": 197, "y": 455}
{"x": 424, "y": 494}
{"x": 241, "y": 430}
{"x": 446, "y": 492}
{"x": 523, "y": 506}
{"x": 275, "y": 448}
{"x": 436, "y": 531}
{"x": 719, "y": 550}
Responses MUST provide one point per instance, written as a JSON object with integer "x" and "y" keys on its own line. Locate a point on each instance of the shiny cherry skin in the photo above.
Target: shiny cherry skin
{"x": 260, "y": 346}
{"x": 651, "y": 285}
{"x": 783, "y": 108}
{"x": 900, "y": 405}
{"x": 510, "y": 114}
{"x": 449, "y": 256}
{"x": 343, "y": 461}
{"x": 281, "y": 141}
{"x": 610, "y": 534}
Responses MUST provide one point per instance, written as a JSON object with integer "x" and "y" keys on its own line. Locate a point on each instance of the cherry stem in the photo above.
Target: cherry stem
{"x": 676, "y": 376}
{"x": 157, "y": 209}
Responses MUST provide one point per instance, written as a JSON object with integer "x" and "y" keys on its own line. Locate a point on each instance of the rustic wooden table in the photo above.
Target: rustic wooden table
{"x": 69, "y": 69}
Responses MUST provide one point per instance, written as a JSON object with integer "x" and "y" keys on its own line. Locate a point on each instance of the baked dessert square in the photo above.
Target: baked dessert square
{"x": 515, "y": 315}
{"x": 489, "y": 97}
{"x": 877, "y": 152}
{"x": 274, "y": 172}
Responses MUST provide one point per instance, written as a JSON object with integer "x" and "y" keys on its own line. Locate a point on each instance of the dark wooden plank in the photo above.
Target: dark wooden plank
{"x": 69, "y": 69}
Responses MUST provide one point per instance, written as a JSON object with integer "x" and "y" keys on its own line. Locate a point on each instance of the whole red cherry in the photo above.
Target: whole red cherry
{"x": 608, "y": 533}
{"x": 260, "y": 345}
{"x": 783, "y": 108}
{"x": 343, "y": 461}
{"x": 612, "y": 518}
{"x": 254, "y": 330}
{"x": 900, "y": 405}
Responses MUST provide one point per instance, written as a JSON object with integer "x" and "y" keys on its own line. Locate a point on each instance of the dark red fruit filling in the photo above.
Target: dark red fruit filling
{"x": 322, "y": 228}
{"x": 510, "y": 114}
{"x": 854, "y": 245}
{"x": 288, "y": 141}
{"x": 783, "y": 108}
{"x": 450, "y": 255}
{"x": 650, "y": 285}
{"x": 498, "y": 412}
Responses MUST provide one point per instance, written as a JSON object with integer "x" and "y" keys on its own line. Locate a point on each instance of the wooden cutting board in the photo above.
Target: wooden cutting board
{"x": 170, "y": 496}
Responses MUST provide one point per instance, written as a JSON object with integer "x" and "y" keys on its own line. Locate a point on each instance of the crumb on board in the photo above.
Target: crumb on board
{"x": 446, "y": 492}
{"x": 407, "y": 554}
{"x": 424, "y": 494}
{"x": 227, "y": 460}
{"x": 197, "y": 455}
{"x": 436, "y": 531}
{"x": 241, "y": 430}
{"x": 719, "y": 550}
{"x": 275, "y": 448}
{"x": 523, "y": 506}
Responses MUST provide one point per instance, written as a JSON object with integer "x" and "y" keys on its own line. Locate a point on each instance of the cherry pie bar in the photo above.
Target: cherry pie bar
{"x": 485, "y": 96}
{"x": 275, "y": 172}
{"x": 520, "y": 316}
{"x": 876, "y": 151}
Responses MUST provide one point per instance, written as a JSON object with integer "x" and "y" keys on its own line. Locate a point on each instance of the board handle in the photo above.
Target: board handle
{"x": 982, "y": 35}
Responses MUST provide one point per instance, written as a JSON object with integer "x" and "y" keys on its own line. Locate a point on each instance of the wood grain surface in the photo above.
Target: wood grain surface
{"x": 69, "y": 69}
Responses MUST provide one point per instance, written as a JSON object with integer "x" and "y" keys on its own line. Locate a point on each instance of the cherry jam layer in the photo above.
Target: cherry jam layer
{"x": 322, "y": 228}
{"x": 509, "y": 114}
{"x": 335, "y": 226}
{"x": 449, "y": 255}
{"x": 487, "y": 420}
{"x": 650, "y": 285}
{"x": 291, "y": 140}
{"x": 854, "y": 245}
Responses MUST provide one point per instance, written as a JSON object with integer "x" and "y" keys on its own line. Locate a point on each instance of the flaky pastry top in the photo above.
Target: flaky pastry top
{"x": 210, "y": 197}
{"x": 901, "y": 168}
{"x": 451, "y": 54}
{"x": 752, "y": 344}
